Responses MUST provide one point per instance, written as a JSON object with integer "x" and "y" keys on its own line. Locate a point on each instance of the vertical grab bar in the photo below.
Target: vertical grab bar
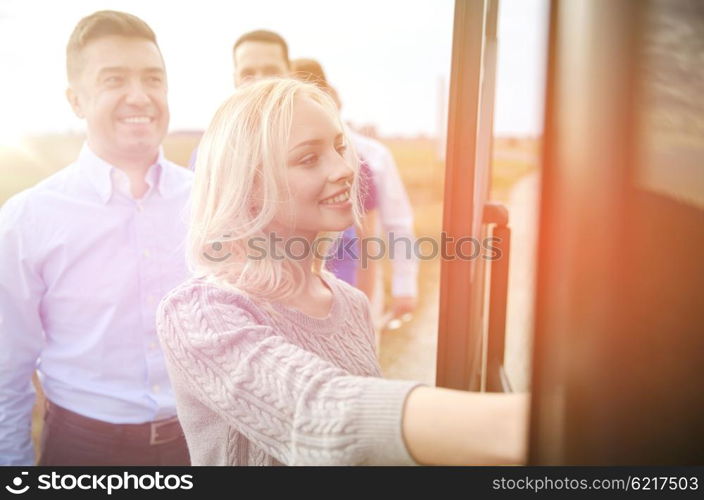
{"x": 496, "y": 215}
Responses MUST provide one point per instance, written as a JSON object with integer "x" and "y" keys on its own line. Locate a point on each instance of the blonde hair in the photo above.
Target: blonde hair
{"x": 240, "y": 185}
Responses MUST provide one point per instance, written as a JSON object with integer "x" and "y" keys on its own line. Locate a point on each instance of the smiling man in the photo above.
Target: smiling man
{"x": 85, "y": 257}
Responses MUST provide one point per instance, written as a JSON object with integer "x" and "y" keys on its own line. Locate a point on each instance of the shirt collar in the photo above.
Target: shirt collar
{"x": 103, "y": 176}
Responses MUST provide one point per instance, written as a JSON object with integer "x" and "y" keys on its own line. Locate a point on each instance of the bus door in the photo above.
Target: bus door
{"x": 619, "y": 331}
{"x": 472, "y": 310}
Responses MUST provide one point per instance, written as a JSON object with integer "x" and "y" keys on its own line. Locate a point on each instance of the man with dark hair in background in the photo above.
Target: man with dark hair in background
{"x": 256, "y": 54}
{"x": 85, "y": 257}
{"x": 259, "y": 54}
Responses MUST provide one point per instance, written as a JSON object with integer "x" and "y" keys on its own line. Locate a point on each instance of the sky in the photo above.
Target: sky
{"x": 388, "y": 59}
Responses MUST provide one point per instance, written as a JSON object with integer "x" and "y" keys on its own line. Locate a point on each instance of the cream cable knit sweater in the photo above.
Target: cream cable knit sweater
{"x": 255, "y": 388}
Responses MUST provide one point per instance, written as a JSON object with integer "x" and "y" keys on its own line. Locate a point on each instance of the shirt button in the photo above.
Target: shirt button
{"x": 152, "y": 345}
{"x": 146, "y": 253}
{"x": 156, "y": 388}
{"x": 140, "y": 207}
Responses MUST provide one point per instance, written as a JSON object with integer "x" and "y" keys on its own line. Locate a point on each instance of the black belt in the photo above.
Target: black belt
{"x": 155, "y": 433}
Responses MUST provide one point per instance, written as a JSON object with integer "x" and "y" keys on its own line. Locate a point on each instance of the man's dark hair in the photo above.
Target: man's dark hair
{"x": 310, "y": 70}
{"x": 101, "y": 24}
{"x": 263, "y": 36}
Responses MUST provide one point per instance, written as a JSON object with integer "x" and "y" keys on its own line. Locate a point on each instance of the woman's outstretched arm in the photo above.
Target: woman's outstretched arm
{"x": 449, "y": 427}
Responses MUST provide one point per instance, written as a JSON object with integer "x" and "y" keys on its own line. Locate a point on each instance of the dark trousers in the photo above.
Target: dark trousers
{"x": 72, "y": 439}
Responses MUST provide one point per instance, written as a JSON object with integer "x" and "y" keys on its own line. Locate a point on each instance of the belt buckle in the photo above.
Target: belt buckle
{"x": 154, "y": 438}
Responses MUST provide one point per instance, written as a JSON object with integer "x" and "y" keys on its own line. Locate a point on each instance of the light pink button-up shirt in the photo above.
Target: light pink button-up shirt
{"x": 83, "y": 266}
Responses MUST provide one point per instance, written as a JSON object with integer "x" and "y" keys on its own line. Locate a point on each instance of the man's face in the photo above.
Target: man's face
{"x": 121, "y": 92}
{"x": 254, "y": 60}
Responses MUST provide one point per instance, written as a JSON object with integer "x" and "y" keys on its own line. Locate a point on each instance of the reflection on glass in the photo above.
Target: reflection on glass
{"x": 671, "y": 100}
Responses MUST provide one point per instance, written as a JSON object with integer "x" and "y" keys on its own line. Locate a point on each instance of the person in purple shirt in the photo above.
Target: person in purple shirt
{"x": 346, "y": 255}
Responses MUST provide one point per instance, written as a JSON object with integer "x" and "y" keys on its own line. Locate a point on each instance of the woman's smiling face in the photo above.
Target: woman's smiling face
{"x": 318, "y": 175}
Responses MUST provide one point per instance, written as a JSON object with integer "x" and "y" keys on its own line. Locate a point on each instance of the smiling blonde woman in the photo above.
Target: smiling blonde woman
{"x": 271, "y": 357}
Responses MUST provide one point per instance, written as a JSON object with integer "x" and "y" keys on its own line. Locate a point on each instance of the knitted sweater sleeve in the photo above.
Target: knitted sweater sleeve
{"x": 294, "y": 405}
